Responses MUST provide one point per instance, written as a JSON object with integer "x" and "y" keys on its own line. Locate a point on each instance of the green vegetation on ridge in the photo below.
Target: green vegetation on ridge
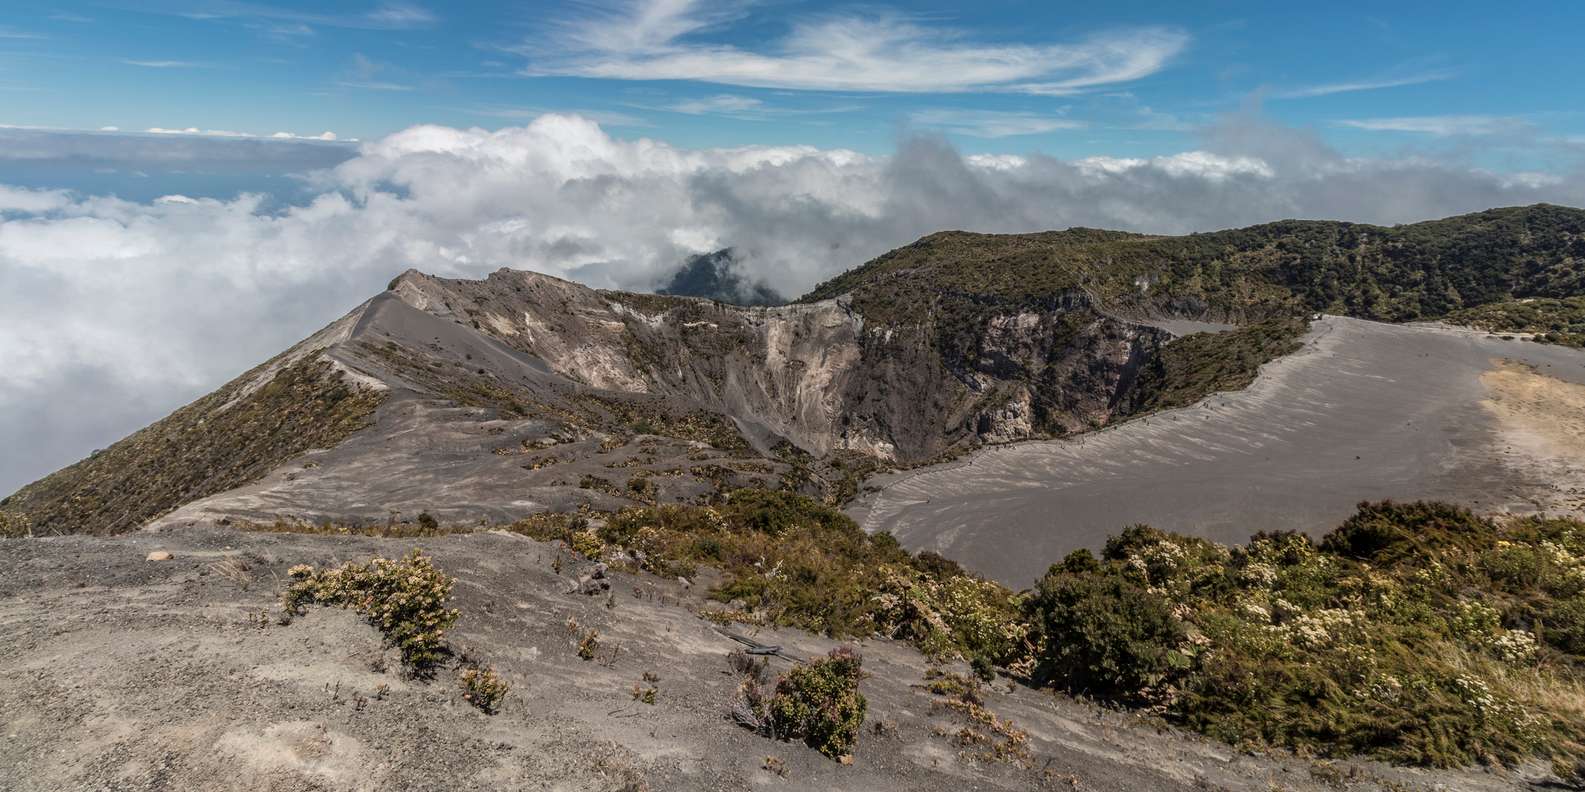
{"x": 1407, "y": 272}
{"x": 1553, "y": 321}
{"x": 1192, "y": 367}
{"x": 221, "y": 441}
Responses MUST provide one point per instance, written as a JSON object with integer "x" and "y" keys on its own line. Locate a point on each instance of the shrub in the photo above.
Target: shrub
{"x": 1105, "y": 636}
{"x": 586, "y": 543}
{"x": 482, "y": 687}
{"x": 817, "y": 702}
{"x": 1565, "y": 627}
{"x": 1388, "y": 532}
{"x": 13, "y": 525}
{"x": 588, "y": 644}
{"x": 955, "y": 616}
{"x": 1416, "y": 633}
{"x": 405, "y": 599}
{"x": 794, "y": 561}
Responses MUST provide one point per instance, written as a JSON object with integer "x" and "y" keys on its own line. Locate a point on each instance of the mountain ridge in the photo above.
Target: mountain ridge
{"x": 954, "y": 341}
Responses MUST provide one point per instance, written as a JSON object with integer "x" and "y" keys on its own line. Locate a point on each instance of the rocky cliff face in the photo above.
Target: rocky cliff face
{"x": 815, "y": 374}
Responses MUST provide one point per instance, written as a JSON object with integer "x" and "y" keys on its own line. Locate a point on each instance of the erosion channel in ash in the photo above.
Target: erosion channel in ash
{"x": 1364, "y": 411}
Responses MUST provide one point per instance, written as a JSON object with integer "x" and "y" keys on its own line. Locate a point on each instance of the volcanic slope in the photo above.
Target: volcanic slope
{"x": 520, "y": 393}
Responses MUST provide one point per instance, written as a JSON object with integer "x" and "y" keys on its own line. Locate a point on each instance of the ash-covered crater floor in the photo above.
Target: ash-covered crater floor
{"x": 1364, "y": 411}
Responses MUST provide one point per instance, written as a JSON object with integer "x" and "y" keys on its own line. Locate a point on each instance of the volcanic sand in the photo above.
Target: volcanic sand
{"x": 1364, "y": 411}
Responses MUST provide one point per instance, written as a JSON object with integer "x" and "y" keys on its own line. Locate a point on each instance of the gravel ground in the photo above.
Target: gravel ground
{"x": 119, "y": 673}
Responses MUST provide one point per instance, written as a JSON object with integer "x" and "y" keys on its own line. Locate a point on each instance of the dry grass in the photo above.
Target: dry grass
{"x": 235, "y": 570}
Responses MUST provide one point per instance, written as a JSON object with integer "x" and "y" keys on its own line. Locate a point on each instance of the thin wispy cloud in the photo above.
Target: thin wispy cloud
{"x": 724, "y": 104}
{"x": 991, "y": 123}
{"x": 13, "y": 33}
{"x": 163, "y": 64}
{"x": 605, "y": 118}
{"x": 746, "y": 108}
{"x": 1441, "y": 125}
{"x": 400, "y": 15}
{"x": 291, "y": 31}
{"x": 1354, "y": 86}
{"x": 385, "y": 16}
{"x": 367, "y": 85}
{"x": 369, "y": 75}
{"x": 664, "y": 40}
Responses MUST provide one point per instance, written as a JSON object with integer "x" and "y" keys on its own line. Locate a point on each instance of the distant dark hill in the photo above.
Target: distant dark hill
{"x": 715, "y": 276}
{"x": 1418, "y": 271}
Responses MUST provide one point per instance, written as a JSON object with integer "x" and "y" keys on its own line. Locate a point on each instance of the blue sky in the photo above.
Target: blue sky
{"x": 157, "y": 238}
{"x": 1070, "y": 79}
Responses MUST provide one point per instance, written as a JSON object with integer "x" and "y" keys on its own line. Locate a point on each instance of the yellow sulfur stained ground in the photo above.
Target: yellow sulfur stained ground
{"x": 1542, "y": 418}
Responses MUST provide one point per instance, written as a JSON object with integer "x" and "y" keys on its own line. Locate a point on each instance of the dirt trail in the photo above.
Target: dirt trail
{"x": 124, "y": 674}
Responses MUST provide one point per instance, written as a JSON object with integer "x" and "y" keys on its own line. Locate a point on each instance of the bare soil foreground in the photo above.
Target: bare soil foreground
{"x": 1364, "y": 411}
{"x": 119, "y": 673}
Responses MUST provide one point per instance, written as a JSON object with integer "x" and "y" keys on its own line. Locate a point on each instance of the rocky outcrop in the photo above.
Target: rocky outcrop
{"x": 816, "y": 374}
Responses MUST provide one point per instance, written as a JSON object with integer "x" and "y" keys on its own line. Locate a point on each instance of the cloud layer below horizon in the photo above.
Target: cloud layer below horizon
{"x": 115, "y": 312}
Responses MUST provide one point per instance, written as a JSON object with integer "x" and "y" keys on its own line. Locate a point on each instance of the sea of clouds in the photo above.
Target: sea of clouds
{"x": 114, "y": 311}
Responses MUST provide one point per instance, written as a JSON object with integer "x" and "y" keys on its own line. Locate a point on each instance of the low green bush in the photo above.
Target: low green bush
{"x": 404, "y": 598}
{"x": 482, "y": 687}
{"x": 817, "y": 702}
{"x": 1109, "y": 637}
{"x": 793, "y": 561}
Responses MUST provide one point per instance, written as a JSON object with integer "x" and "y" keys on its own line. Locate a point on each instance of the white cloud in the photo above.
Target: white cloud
{"x": 327, "y": 136}
{"x": 13, "y": 33}
{"x": 1189, "y": 164}
{"x": 158, "y": 301}
{"x": 991, "y": 123}
{"x": 1375, "y": 84}
{"x": 1000, "y": 162}
{"x": 36, "y": 202}
{"x": 660, "y": 40}
{"x": 1441, "y": 125}
{"x": 196, "y": 131}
